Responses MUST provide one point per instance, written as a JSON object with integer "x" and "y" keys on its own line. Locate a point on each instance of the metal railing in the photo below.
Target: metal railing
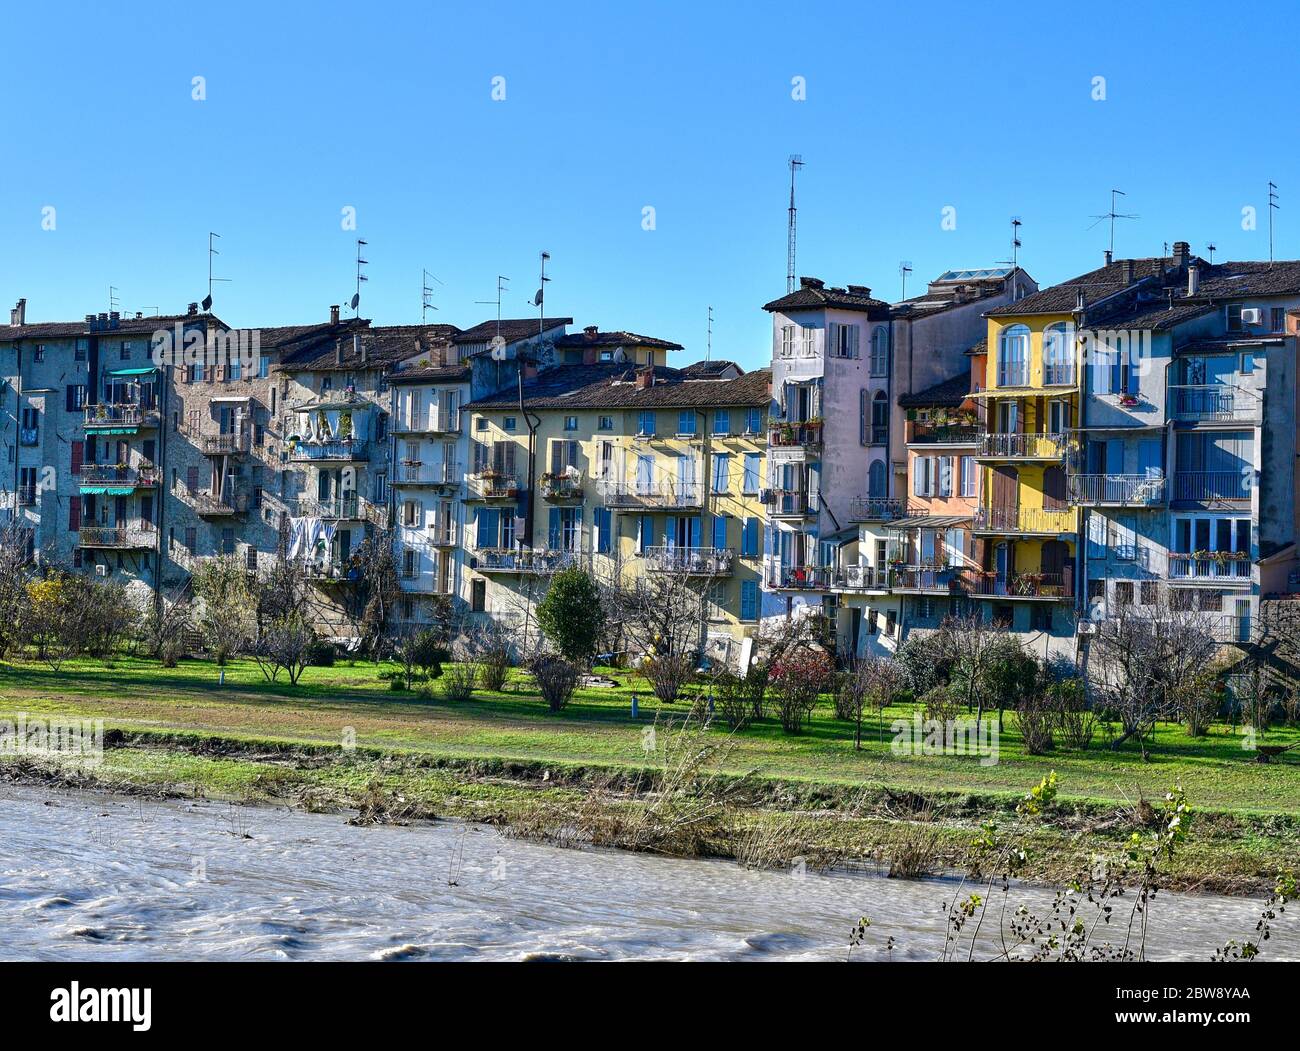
{"x": 224, "y": 444}
{"x": 1025, "y": 585}
{"x": 796, "y": 578}
{"x": 1200, "y": 486}
{"x": 945, "y": 434}
{"x": 1023, "y": 520}
{"x": 412, "y": 473}
{"x": 115, "y": 536}
{"x": 205, "y": 503}
{"x": 1058, "y": 373}
{"x": 789, "y": 502}
{"x": 785, "y": 435}
{"x": 563, "y": 486}
{"x": 651, "y": 494}
{"x": 102, "y": 473}
{"x": 1226, "y": 567}
{"x": 1129, "y": 490}
{"x": 341, "y": 507}
{"x": 862, "y": 578}
{"x": 440, "y": 423}
{"x": 494, "y": 560}
{"x": 1212, "y": 402}
{"x": 490, "y": 485}
{"x": 1021, "y": 446}
{"x": 875, "y": 509}
{"x": 119, "y": 415}
{"x": 945, "y": 579}
{"x": 690, "y": 561}
{"x": 337, "y": 449}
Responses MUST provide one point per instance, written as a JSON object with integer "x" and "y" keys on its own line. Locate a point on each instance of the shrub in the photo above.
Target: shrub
{"x": 940, "y": 704}
{"x": 322, "y": 654}
{"x": 1035, "y": 719}
{"x": 756, "y": 680}
{"x": 556, "y": 680}
{"x": 458, "y": 682}
{"x": 733, "y": 700}
{"x": 797, "y": 677}
{"x": 1072, "y": 718}
{"x": 667, "y": 674}
{"x": 397, "y": 684}
{"x": 571, "y": 615}
{"x": 925, "y": 663}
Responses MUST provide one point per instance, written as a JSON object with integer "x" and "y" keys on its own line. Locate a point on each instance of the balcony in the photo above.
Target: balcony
{"x": 29, "y": 436}
{"x": 27, "y": 496}
{"x": 562, "y": 488}
{"x": 794, "y": 442}
{"x": 1022, "y": 446}
{"x": 1208, "y": 486}
{"x": 1213, "y": 403}
{"x": 1058, "y": 374}
{"x": 526, "y": 563}
{"x": 935, "y": 579}
{"x": 1054, "y": 587}
{"x": 413, "y": 472}
{"x": 206, "y": 505}
{"x": 346, "y": 449}
{"x": 874, "y": 509}
{"x": 439, "y": 424}
{"x": 862, "y": 578}
{"x": 1023, "y": 520}
{"x": 443, "y": 535}
{"x": 690, "y": 561}
{"x": 638, "y": 496}
{"x": 789, "y": 503}
{"x": 224, "y": 444}
{"x": 1117, "y": 490}
{"x": 944, "y": 434}
{"x": 493, "y": 485}
{"x": 800, "y": 578}
{"x": 96, "y": 474}
{"x": 120, "y": 537}
{"x": 1216, "y": 567}
{"x": 111, "y": 416}
{"x": 341, "y": 508}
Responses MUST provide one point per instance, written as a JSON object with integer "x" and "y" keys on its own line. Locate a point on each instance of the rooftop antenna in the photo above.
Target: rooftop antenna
{"x": 539, "y": 300}
{"x": 1112, "y": 215}
{"x": 501, "y": 290}
{"x": 113, "y": 303}
{"x": 1015, "y": 242}
{"x": 796, "y": 162}
{"x": 1211, "y": 247}
{"x": 356, "y": 296}
{"x": 1272, "y": 207}
{"x": 904, "y": 268}
{"x": 708, "y": 339}
{"x": 426, "y": 296}
{"x": 212, "y": 251}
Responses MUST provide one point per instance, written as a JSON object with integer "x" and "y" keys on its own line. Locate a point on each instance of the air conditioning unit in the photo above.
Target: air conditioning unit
{"x": 101, "y": 570}
{"x": 1252, "y": 316}
{"x": 1087, "y": 627}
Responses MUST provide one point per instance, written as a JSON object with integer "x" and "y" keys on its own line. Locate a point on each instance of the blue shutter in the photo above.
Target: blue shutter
{"x": 749, "y": 537}
{"x": 720, "y": 531}
{"x": 693, "y": 532}
{"x": 553, "y": 534}
{"x": 489, "y": 527}
{"x": 749, "y": 600}
{"x": 603, "y": 521}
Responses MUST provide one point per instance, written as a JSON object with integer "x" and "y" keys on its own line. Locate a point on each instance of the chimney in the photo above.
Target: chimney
{"x": 645, "y": 377}
{"x": 591, "y": 330}
{"x": 139, "y": 314}
{"x": 1193, "y": 280}
{"x": 192, "y": 310}
{"x": 811, "y": 282}
{"x": 1079, "y": 302}
{"x": 1182, "y": 253}
{"x": 860, "y": 290}
{"x": 358, "y": 348}
{"x": 1128, "y": 271}
{"x": 334, "y": 314}
{"x": 18, "y": 316}
{"x": 338, "y": 351}
{"x": 1108, "y": 257}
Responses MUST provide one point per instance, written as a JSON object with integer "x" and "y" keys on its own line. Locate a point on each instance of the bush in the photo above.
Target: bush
{"x": 322, "y": 654}
{"x": 458, "y": 682}
{"x": 925, "y": 663}
{"x": 1036, "y": 721}
{"x": 797, "y": 677}
{"x": 571, "y": 615}
{"x": 668, "y": 674}
{"x": 733, "y": 700}
{"x": 1072, "y": 719}
{"x": 756, "y": 680}
{"x": 556, "y": 680}
{"x": 940, "y": 704}
{"x": 397, "y": 684}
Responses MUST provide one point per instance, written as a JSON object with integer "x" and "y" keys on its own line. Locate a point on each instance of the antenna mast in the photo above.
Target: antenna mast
{"x": 1112, "y": 215}
{"x": 539, "y": 300}
{"x": 212, "y": 251}
{"x": 501, "y": 289}
{"x": 426, "y": 296}
{"x": 904, "y": 268}
{"x": 1210, "y": 247}
{"x": 708, "y": 339}
{"x": 796, "y": 162}
{"x": 356, "y": 297}
{"x": 1272, "y": 207}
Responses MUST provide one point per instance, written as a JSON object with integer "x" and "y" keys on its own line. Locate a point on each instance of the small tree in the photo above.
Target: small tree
{"x": 668, "y": 674}
{"x": 571, "y": 615}
{"x": 285, "y": 644}
{"x": 798, "y": 677}
{"x": 423, "y": 649}
{"x": 872, "y": 682}
{"x": 556, "y": 680}
{"x": 228, "y": 616}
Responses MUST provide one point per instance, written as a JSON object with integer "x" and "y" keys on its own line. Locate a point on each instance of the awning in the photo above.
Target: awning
{"x": 106, "y": 490}
{"x": 1023, "y": 392}
{"x": 231, "y": 398}
{"x": 134, "y": 372}
{"x": 929, "y": 522}
{"x": 100, "y": 428}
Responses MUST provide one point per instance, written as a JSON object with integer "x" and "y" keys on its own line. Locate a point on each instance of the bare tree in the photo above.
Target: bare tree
{"x": 286, "y": 643}
{"x": 15, "y": 571}
{"x": 871, "y": 682}
{"x": 976, "y": 648}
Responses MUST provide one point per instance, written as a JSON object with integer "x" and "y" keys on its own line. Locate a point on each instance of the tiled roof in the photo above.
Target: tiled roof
{"x": 126, "y": 326}
{"x": 715, "y": 367}
{"x": 596, "y": 338}
{"x": 613, "y": 385}
{"x": 327, "y": 347}
{"x": 814, "y": 295}
{"x": 1155, "y": 314}
{"x": 432, "y": 374}
{"x": 950, "y": 393}
{"x": 512, "y": 329}
{"x": 1250, "y": 278}
{"x": 1096, "y": 285}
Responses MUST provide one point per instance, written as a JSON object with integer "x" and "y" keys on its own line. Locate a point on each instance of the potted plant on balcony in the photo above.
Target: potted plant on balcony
{"x": 1129, "y": 401}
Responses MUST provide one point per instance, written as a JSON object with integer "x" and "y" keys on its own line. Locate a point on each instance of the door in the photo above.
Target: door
{"x": 1001, "y": 567}
{"x": 1006, "y": 497}
{"x": 1053, "y": 565}
{"x": 1054, "y": 489}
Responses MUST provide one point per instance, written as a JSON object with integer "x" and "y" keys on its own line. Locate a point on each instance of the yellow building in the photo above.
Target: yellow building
{"x": 1025, "y": 531}
{"x": 625, "y": 466}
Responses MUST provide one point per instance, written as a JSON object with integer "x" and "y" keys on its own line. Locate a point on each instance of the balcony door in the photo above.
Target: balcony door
{"x": 1006, "y": 497}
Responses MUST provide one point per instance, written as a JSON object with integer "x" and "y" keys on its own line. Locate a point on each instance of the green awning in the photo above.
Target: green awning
{"x": 134, "y": 372}
{"x": 106, "y": 490}
{"x": 103, "y": 428}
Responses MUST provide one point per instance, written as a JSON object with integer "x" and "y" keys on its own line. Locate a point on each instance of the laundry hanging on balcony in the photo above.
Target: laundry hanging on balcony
{"x": 311, "y": 538}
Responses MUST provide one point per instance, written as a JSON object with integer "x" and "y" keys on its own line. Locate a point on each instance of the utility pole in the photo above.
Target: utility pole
{"x": 796, "y": 162}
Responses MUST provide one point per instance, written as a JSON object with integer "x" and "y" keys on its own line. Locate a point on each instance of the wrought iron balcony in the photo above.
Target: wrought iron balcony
{"x": 493, "y": 485}
{"x": 875, "y": 509}
{"x": 1208, "y": 486}
{"x": 97, "y": 417}
{"x": 937, "y": 579}
{"x": 336, "y": 449}
{"x": 862, "y": 578}
{"x": 1213, "y": 403}
{"x": 1215, "y": 566}
{"x": 1120, "y": 490}
{"x": 800, "y": 578}
{"x": 411, "y": 472}
{"x": 525, "y": 562}
{"x": 561, "y": 488}
{"x": 114, "y": 474}
{"x": 1055, "y": 586}
{"x": 120, "y": 537}
{"x": 1019, "y": 446}
{"x": 651, "y": 495}
{"x": 1023, "y": 520}
{"x": 225, "y": 444}
{"x": 691, "y": 561}
{"x": 789, "y": 503}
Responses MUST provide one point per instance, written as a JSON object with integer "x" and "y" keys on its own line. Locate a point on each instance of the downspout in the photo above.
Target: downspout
{"x": 164, "y": 490}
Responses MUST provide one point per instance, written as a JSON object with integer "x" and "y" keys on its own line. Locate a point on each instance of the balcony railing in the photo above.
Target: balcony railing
{"x": 945, "y": 434}
{"x": 1025, "y": 585}
{"x": 115, "y": 536}
{"x": 491, "y": 485}
{"x": 519, "y": 561}
{"x": 800, "y": 578}
{"x": 691, "y": 561}
{"x": 651, "y": 494}
{"x": 789, "y": 503}
{"x": 1212, "y": 402}
{"x": 787, "y": 435}
{"x": 27, "y": 496}
{"x": 562, "y": 487}
{"x": 1058, "y": 374}
{"x": 1023, "y": 520}
{"x": 1125, "y": 490}
{"x": 412, "y": 473}
{"x": 1207, "y": 567}
{"x": 862, "y": 578}
{"x": 118, "y": 415}
{"x": 206, "y": 505}
{"x": 952, "y": 580}
{"x": 439, "y": 423}
{"x": 225, "y": 444}
{"x": 1022, "y": 446}
{"x": 340, "y": 507}
{"x": 1231, "y": 628}
{"x": 112, "y": 474}
{"x": 1203, "y": 486}
{"x": 874, "y": 509}
{"x": 340, "y": 449}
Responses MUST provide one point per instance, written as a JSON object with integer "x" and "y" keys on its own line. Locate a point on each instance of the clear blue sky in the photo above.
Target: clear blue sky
{"x": 685, "y": 107}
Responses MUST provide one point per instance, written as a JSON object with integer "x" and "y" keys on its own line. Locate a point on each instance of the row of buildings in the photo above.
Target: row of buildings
{"x": 1044, "y": 456}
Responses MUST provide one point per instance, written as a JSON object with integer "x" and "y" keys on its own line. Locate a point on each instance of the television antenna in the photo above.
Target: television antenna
{"x": 426, "y": 296}
{"x": 904, "y": 268}
{"x": 795, "y": 162}
{"x": 502, "y": 281}
{"x": 113, "y": 302}
{"x": 1112, "y": 215}
{"x": 1211, "y": 247}
{"x": 708, "y": 338}
{"x": 1273, "y": 206}
{"x": 539, "y": 300}
{"x": 356, "y": 296}
{"x": 212, "y": 251}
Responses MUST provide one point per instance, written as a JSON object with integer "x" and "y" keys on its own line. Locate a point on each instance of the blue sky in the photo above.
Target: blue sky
{"x": 609, "y": 108}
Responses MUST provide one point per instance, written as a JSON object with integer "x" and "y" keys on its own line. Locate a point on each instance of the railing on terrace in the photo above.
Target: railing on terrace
{"x": 951, "y": 579}
{"x": 1023, "y": 520}
{"x": 812, "y": 578}
{"x": 1212, "y": 402}
{"x": 1206, "y": 566}
{"x": 343, "y": 507}
{"x": 1131, "y": 490}
{"x": 862, "y": 578}
{"x": 565, "y": 486}
{"x": 789, "y": 502}
{"x": 651, "y": 494}
{"x": 875, "y": 509}
{"x": 441, "y": 473}
{"x": 119, "y": 415}
{"x": 228, "y": 444}
{"x": 205, "y": 503}
{"x": 438, "y": 423}
{"x": 945, "y": 433}
{"x": 492, "y": 485}
{"x": 782, "y": 435}
{"x": 1020, "y": 446}
{"x": 691, "y": 561}
{"x": 106, "y": 473}
{"x": 337, "y": 449}
{"x": 1025, "y": 585}
{"x": 523, "y": 561}
{"x": 1201, "y": 486}
{"x": 116, "y": 536}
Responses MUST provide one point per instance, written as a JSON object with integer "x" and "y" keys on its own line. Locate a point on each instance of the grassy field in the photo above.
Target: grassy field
{"x": 436, "y": 753}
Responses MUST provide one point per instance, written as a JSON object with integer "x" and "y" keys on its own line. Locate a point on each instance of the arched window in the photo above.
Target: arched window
{"x": 880, "y": 351}
{"x": 879, "y": 418}
{"x": 1013, "y": 357}
{"x": 876, "y": 480}
{"x": 1058, "y": 354}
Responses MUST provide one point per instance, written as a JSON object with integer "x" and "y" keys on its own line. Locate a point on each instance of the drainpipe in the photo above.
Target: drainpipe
{"x": 163, "y": 387}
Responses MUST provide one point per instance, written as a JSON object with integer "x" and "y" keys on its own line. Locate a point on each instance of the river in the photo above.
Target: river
{"x": 98, "y": 877}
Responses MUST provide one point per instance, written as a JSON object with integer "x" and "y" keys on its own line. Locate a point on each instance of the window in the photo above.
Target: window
{"x": 646, "y": 423}
{"x": 227, "y": 541}
{"x": 570, "y": 423}
{"x": 75, "y": 397}
{"x": 1013, "y": 357}
{"x": 925, "y": 608}
{"x": 1040, "y": 617}
{"x": 721, "y": 471}
{"x": 787, "y": 341}
{"x": 1277, "y": 319}
{"x": 1234, "y": 317}
{"x": 82, "y": 350}
{"x": 478, "y": 595}
{"x": 749, "y": 534}
{"x": 38, "y": 352}
{"x": 1123, "y": 593}
{"x": 969, "y": 477}
{"x": 753, "y": 421}
{"x": 876, "y": 480}
{"x": 263, "y": 367}
{"x": 751, "y": 479}
{"x": 809, "y": 341}
{"x": 509, "y": 423}
{"x": 603, "y": 527}
{"x": 686, "y": 422}
{"x": 191, "y": 539}
{"x": 843, "y": 340}
{"x": 1148, "y": 593}
{"x": 721, "y": 422}
{"x": 125, "y": 350}
{"x": 891, "y": 619}
{"x": 480, "y": 424}
{"x": 749, "y": 600}
{"x": 1058, "y": 354}
{"x": 1123, "y": 538}
{"x": 879, "y": 418}
{"x": 880, "y": 351}
{"x": 605, "y": 423}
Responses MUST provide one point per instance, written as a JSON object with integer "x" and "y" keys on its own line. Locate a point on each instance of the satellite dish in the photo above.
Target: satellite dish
{"x": 498, "y": 348}
{"x": 537, "y": 299}
{"x": 356, "y": 298}
{"x": 207, "y": 303}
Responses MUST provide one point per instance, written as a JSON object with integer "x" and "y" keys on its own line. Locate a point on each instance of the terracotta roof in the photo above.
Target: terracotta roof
{"x": 512, "y": 329}
{"x": 613, "y": 385}
{"x": 432, "y": 374}
{"x": 126, "y": 326}
{"x": 591, "y": 337}
{"x": 327, "y": 348}
{"x": 950, "y": 393}
{"x": 814, "y": 295}
{"x": 1096, "y": 286}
